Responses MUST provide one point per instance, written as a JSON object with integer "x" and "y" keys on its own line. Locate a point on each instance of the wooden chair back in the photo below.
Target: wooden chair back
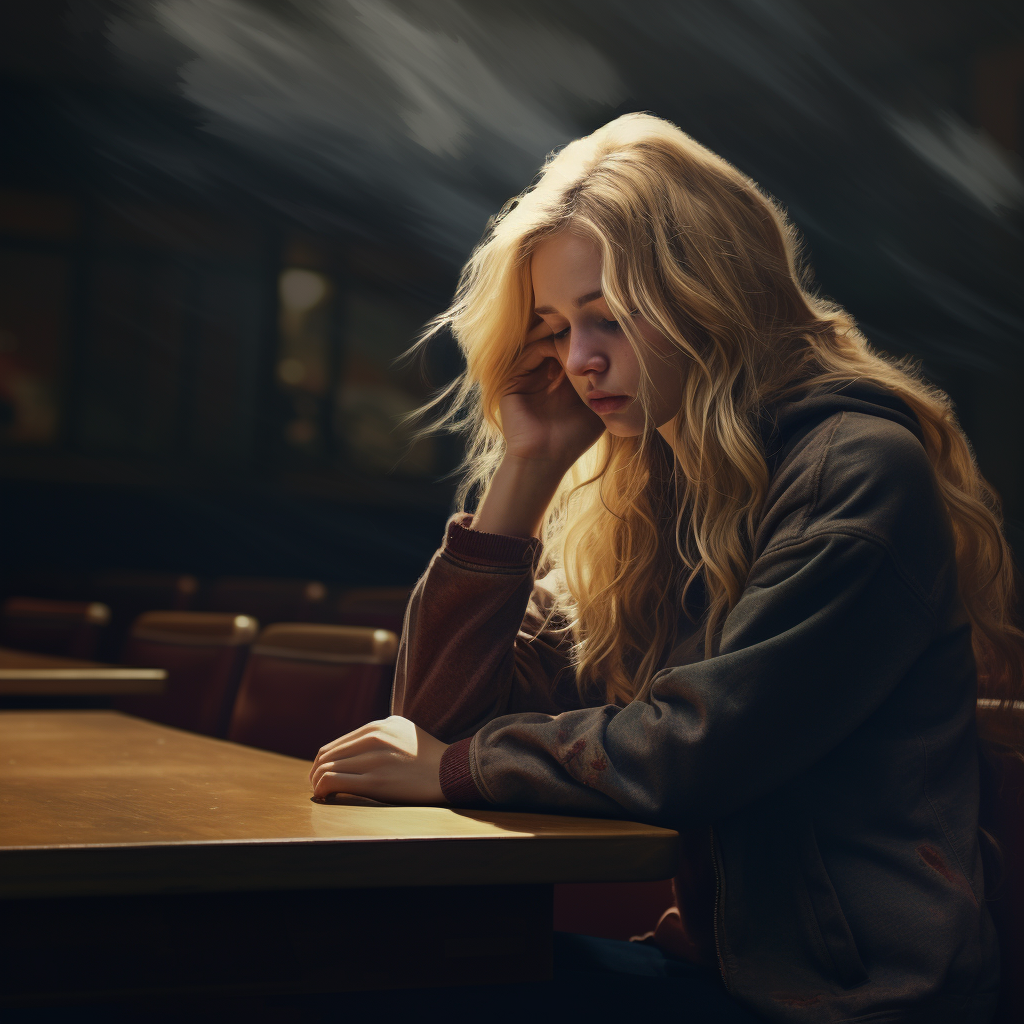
{"x": 130, "y": 594}
{"x": 70, "y": 628}
{"x": 204, "y": 654}
{"x": 307, "y": 684}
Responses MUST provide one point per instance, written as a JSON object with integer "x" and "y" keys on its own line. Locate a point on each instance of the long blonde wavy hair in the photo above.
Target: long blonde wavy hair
{"x": 693, "y": 246}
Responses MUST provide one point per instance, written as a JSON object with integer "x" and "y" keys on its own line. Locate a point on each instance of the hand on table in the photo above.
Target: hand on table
{"x": 392, "y": 760}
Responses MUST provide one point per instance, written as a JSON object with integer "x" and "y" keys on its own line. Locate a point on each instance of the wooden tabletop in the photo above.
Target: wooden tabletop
{"x": 96, "y": 802}
{"x": 24, "y": 673}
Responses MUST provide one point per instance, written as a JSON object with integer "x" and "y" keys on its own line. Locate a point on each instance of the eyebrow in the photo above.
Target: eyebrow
{"x": 578, "y": 303}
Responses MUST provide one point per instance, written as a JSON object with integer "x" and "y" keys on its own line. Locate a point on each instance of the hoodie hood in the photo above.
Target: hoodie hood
{"x": 788, "y": 422}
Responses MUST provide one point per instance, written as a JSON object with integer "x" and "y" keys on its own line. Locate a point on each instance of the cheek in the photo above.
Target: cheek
{"x": 626, "y": 364}
{"x": 663, "y": 360}
{"x": 668, "y": 400}
{"x": 661, "y": 349}
{"x": 664, "y": 364}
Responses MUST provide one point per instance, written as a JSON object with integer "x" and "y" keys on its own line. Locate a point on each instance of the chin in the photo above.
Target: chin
{"x": 624, "y": 429}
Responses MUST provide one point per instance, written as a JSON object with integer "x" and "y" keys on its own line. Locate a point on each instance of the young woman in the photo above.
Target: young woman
{"x": 733, "y": 573}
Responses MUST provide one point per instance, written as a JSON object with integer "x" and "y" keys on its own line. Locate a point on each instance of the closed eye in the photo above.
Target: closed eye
{"x": 603, "y": 324}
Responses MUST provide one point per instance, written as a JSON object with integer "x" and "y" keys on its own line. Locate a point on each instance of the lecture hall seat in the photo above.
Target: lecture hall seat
{"x": 70, "y": 628}
{"x": 129, "y": 593}
{"x": 306, "y": 684}
{"x": 204, "y": 654}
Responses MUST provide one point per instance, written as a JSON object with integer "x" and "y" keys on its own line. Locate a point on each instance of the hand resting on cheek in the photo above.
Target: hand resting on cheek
{"x": 543, "y": 418}
{"x": 391, "y": 760}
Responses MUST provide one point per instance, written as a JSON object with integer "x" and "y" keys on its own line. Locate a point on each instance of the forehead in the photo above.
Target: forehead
{"x": 563, "y": 267}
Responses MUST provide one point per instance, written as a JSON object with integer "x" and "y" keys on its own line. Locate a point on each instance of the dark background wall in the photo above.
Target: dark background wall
{"x": 220, "y": 221}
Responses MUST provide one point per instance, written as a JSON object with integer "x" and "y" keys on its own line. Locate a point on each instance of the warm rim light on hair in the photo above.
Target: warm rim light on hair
{"x": 708, "y": 259}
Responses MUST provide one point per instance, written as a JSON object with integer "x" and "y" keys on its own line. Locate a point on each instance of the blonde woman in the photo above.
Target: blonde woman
{"x": 733, "y": 573}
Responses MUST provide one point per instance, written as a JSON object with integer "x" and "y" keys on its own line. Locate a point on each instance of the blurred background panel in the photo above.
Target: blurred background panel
{"x": 35, "y": 281}
{"x": 373, "y": 395}
{"x": 221, "y": 221}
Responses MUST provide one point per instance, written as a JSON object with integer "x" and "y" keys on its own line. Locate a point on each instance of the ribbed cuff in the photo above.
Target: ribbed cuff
{"x": 455, "y": 777}
{"x": 488, "y": 548}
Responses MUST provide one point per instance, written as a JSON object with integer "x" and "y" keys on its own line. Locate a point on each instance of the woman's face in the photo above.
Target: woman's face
{"x": 592, "y": 347}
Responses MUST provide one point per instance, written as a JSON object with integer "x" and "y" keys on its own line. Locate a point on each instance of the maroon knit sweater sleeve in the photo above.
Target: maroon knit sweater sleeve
{"x": 472, "y": 649}
{"x": 456, "y": 776}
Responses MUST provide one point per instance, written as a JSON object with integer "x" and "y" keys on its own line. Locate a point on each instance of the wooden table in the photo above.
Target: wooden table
{"x": 25, "y": 674}
{"x": 169, "y": 861}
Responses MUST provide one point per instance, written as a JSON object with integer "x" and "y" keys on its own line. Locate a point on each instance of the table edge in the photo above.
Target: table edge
{"x": 35, "y": 872}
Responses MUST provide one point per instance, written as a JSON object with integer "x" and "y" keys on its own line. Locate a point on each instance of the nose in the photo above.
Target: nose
{"x": 586, "y": 354}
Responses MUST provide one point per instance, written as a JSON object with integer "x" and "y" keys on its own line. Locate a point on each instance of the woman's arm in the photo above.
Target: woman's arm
{"x": 466, "y": 654}
{"x": 473, "y": 647}
{"x": 823, "y": 633}
{"x": 518, "y": 496}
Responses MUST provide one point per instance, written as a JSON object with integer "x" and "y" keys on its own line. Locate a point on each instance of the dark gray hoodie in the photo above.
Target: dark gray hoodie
{"x": 828, "y": 747}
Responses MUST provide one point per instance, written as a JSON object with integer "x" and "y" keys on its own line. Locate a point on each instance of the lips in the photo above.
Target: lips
{"x": 603, "y": 403}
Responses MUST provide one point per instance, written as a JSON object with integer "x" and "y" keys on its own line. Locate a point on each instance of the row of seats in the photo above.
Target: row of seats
{"x": 97, "y": 627}
{"x": 289, "y": 687}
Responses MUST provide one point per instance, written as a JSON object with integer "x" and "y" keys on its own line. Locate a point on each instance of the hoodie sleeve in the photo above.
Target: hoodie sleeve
{"x": 476, "y": 643}
{"x": 837, "y": 607}
{"x": 793, "y": 677}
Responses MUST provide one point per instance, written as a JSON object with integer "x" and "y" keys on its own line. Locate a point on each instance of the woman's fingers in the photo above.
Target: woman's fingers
{"x": 532, "y": 356}
{"x": 331, "y": 762}
{"x": 538, "y": 331}
{"x": 328, "y": 750}
{"x": 390, "y": 760}
{"x": 359, "y": 761}
{"x": 345, "y": 746}
{"x": 534, "y": 370}
{"x": 544, "y": 348}
{"x": 394, "y": 735}
{"x": 360, "y": 738}
{"x": 339, "y": 782}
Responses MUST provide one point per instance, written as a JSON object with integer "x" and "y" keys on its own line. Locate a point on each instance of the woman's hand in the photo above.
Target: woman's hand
{"x": 547, "y": 427}
{"x": 392, "y": 760}
{"x": 542, "y": 417}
